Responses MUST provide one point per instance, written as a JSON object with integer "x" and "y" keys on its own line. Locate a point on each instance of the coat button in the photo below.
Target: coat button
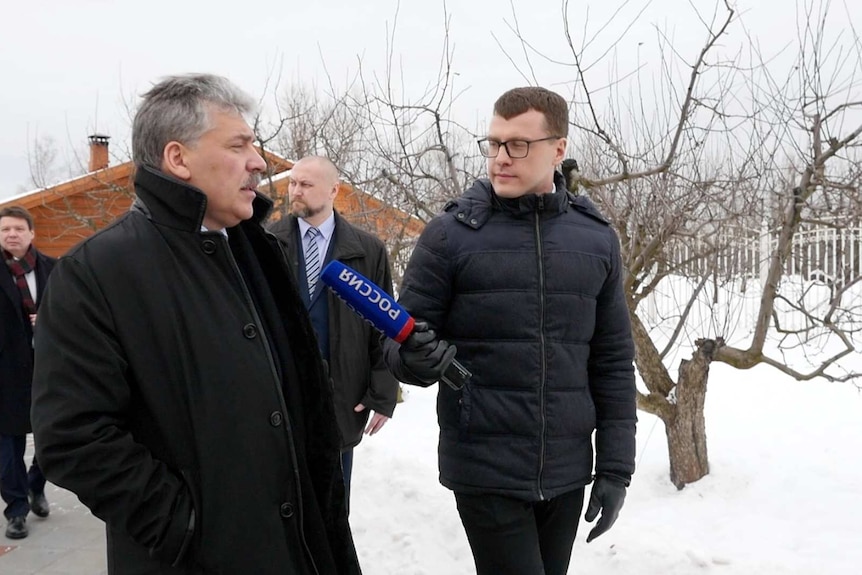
{"x": 208, "y": 246}
{"x": 249, "y": 330}
{"x": 460, "y": 215}
{"x": 474, "y": 221}
{"x": 286, "y": 510}
{"x": 275, "y": 418}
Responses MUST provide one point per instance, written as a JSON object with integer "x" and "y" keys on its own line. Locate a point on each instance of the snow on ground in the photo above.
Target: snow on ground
{"x": 784, "y": 495}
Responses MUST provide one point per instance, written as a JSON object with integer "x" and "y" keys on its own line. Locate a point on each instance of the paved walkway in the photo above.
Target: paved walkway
{"x": 70, "y": 541}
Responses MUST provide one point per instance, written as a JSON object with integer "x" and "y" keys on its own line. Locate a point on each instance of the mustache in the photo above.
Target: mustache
{"x": 253, "y": 181}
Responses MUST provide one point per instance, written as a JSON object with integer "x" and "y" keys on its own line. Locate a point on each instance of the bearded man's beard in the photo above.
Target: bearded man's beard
{"x": 297, "y": 209}
{"x": 301, "y": 210}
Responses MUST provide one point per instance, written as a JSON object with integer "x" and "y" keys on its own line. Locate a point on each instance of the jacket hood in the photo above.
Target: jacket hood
{"x": 172, "y": 202}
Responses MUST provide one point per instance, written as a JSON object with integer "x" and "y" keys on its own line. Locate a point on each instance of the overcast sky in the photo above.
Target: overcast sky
{"x": 68, "y": 67}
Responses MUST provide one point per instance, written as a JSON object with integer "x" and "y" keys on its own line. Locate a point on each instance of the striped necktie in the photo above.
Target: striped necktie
{"x": 312, "y": 260}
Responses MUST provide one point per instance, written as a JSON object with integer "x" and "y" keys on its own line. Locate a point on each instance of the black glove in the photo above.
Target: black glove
{"x": 608, "y": 494}
{"x": 424, "y": 356}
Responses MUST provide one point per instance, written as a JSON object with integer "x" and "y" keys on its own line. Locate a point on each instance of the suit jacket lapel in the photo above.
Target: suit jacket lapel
{"x": 343, "y": 245}
{"x": 43, "y": 268}
{"x": 7, "y": 283}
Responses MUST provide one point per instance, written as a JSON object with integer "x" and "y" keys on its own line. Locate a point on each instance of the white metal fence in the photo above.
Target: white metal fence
{"x": 822, "y": 263}
{"x": 831, "y": 254}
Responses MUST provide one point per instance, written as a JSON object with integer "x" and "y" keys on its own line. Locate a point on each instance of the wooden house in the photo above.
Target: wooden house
{"x": 71, "y": 211}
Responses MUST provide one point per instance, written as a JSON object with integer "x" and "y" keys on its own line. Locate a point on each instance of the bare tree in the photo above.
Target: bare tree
{"x": 404, "y": 150}
{"x": 42, "y": 158}
{"x": 722, "y": 153}
{"x": 690, "y": 161}
{"x": 419, "y": 155}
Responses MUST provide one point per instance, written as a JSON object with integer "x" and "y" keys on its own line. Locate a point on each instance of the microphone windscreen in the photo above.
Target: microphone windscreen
{"x": 368, "y": 300}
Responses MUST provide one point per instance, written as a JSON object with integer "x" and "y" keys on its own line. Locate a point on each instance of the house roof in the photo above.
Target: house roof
{"x": 70, "y": 211}
{"x": 79, "y": 184}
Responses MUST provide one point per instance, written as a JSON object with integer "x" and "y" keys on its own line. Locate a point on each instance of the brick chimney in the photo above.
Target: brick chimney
{"x": 98, "y": 152}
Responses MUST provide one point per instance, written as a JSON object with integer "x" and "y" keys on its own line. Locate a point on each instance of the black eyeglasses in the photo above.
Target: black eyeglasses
{"x": 515, "y": 149}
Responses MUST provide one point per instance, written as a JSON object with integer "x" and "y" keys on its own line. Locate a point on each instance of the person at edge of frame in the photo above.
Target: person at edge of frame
{"x": 22, "y": 283}
{"x": 178, "y": 391}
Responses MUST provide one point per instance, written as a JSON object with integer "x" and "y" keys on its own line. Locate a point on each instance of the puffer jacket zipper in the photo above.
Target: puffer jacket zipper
{"x": 541, "y": 270}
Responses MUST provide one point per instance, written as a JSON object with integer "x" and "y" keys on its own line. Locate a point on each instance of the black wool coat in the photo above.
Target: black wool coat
{"x": 530, "y": 292}
{"x": 16, "y": 348}
{"x": 183, "y": 404}
{"x": 356, "y": 364}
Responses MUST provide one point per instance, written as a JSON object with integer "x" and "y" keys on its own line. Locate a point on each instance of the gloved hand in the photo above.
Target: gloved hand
{"x": 607, "y": 494}
{"x": 424, "y": 355}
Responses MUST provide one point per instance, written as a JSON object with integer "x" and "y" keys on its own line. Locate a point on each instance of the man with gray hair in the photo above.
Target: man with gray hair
{"x": 178, "y": 390}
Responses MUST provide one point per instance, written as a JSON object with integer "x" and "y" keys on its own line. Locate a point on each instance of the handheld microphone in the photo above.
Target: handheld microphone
{"x": 378, "y": 308}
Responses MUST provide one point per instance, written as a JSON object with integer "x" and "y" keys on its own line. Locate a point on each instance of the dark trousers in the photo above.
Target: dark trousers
{"x": 347, "y": 470}
{"x": 513, "y": 537}
{"x": 15, "y": 480}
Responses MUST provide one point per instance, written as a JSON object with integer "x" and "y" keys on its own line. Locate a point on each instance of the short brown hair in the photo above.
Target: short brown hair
{"x": 518, "y": 101}
{"x": 17, "y": 212}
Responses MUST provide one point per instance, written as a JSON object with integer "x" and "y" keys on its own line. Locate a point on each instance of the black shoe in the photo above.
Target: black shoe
{"x": 17, "y": 528}
{"x": 39, "y": 505}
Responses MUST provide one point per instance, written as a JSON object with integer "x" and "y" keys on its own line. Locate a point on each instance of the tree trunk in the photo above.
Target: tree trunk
{"x": 686, "y": 431}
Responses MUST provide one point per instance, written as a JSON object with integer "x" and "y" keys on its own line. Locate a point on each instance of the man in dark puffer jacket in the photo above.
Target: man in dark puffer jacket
{"x": 525, "y": 280}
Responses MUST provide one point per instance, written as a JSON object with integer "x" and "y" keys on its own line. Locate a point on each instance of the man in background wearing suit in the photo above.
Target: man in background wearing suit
{"x": 316, "y": 234}
{"x": 22, "y": 280}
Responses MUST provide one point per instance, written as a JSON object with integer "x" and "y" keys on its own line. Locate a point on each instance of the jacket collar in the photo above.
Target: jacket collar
{"x": 345, "y": 241}
{"x": 480, "y": 201}
{"x": 7, "y": 282}
{"x": 530, "y": 203}
{"x": 172, "y": 202}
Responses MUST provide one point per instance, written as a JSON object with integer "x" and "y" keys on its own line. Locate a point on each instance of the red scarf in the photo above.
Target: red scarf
{"x": 20, "y": 268}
